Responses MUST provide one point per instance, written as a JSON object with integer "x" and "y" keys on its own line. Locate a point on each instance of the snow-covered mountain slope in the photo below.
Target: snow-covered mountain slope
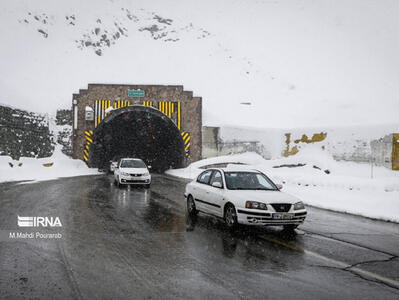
{"x": 298, "y": 63}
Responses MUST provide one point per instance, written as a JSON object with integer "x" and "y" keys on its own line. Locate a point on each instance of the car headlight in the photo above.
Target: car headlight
{"x": 146, "y": 174}
{"x": 299, "y": 205}
{"x": 124, "y": 174}
{"x": 255, "y": 205}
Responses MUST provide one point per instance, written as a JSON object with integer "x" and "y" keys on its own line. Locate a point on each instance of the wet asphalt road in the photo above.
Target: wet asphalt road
{"x": 136, "y": 243}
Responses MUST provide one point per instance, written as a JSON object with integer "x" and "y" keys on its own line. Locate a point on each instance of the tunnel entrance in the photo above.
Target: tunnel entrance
{"x": 138, "y": 132}
{"x": 154, "y": 122}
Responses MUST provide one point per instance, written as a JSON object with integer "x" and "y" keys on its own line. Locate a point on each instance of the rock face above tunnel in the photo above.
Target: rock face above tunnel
{"x": 181, "y": 107}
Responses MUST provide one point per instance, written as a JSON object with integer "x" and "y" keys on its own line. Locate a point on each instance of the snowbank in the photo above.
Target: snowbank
{"x": 57, "y": 166}
{"x": 315, "y": 177}
{"x": 194, "y": 169}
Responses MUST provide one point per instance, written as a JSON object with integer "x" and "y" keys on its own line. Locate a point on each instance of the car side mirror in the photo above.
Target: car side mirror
{"x": 149, "y": 167}
{"x": 279, "y": 186}
{"x": 217, "y": 184}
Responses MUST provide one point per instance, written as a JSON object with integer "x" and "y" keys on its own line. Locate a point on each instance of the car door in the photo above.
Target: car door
{"x": 200, "y": 191}
{"x": 214, "y": 193}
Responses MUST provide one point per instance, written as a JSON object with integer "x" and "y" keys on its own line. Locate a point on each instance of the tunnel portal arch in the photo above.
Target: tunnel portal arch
{"x": 111, "y": 120}
{"x": 140, "y": 132}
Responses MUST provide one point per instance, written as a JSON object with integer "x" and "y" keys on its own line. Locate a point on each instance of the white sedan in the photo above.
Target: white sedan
{"x": 243, "y": 197}
{"x": 132, "y": 171}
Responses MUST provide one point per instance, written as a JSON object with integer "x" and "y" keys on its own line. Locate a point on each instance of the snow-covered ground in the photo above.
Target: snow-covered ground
{"x": 315, "y": 177}
{"x": 38, "y": 169}
{"x": 58, "y": 165}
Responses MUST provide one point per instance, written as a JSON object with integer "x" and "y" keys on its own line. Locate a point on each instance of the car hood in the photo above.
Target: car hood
{"x": 262, "y": 196}
{"x": 134, "y": 170}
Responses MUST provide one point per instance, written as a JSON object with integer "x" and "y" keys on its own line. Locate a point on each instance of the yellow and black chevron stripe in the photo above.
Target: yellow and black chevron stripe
{"x": 172, "y": 110}
{"x": 89, "y": 141}
{"x": 147, "y": 103}
{"x": 102, "y": 105}
{"x": 121, "y": 103}
{"x": 186, "y": 139}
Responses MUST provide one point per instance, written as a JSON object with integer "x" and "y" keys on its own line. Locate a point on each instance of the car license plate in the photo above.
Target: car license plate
{"x": 282, "y": 216}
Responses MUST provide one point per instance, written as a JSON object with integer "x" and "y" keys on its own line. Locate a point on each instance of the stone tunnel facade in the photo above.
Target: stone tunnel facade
{"x": 92, "y": 105}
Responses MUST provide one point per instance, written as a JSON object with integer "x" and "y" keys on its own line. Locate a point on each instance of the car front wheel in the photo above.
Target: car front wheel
{"x": 230, "y": 216}
{"x": 191, "y": 209}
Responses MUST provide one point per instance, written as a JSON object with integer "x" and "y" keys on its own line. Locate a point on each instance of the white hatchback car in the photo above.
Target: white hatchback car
{"x": 132, "y": 171}
{"x": 243, "y": 197}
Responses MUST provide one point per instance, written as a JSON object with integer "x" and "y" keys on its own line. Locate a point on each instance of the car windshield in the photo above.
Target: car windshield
{"x": 133, "y": 164}
{"x": 248, "y": 181}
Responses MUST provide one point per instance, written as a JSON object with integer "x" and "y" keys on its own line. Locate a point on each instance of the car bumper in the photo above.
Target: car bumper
{"x": 269, "y": 218}
{"x": 135, "y": 180}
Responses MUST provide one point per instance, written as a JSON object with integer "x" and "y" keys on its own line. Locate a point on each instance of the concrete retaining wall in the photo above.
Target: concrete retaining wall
{"x": 356, "y": 143}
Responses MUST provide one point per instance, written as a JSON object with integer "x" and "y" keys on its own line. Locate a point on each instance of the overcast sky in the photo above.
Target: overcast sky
{"x": 299, "y": 63}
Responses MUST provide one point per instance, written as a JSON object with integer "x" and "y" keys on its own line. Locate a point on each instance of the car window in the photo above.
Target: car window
{"x": 204, "y": 177}
{"x": 263, "y": 181}
{"x": 248, "y": 181}
{"x": 133, "y": 164}
{"x": 216, "y": 177}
